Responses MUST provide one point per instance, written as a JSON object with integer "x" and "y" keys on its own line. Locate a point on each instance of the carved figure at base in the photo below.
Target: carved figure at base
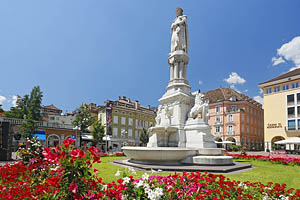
{"x": 200, "y": 108}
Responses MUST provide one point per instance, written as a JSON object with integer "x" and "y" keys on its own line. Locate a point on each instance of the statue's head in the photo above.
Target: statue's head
{"x": 179, "y": 12}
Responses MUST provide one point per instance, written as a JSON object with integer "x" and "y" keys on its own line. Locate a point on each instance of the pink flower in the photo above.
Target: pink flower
{"x": 68, "y": 142}
{"x": 73, "y": 187}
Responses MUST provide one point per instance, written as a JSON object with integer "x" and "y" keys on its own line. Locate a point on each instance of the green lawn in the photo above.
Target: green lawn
{"x": 107, "y": 171}
{"x": 264, "y": 173}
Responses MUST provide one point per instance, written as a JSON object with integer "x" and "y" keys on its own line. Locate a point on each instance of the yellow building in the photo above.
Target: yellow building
{"x": 124, "y": 121}
{"x": 281, "y": 108}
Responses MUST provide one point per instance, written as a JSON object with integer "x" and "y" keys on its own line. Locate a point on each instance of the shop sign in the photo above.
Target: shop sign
{"x": 274, "y": 125}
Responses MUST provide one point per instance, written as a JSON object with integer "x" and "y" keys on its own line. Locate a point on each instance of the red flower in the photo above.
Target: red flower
{"x": 73, "y": 187}
{"x": 68, "y": 142}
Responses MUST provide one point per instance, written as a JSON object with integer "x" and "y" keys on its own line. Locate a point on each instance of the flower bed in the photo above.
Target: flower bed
{"x": 66, "y": 173}
{"x": 272, "y": 159}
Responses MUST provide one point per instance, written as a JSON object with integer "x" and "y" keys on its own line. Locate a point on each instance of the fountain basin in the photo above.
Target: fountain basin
{"x": 163, "y": 155}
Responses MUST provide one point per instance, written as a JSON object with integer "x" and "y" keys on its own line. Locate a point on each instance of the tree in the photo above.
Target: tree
{"x": 83, "y": 118}
{"x": 1, "y": 110}
{"x": 28, "y": 108}
{"x": 144, "y": 137}
{"x": 28, "y": 105}
{"x": 97, "y": 133}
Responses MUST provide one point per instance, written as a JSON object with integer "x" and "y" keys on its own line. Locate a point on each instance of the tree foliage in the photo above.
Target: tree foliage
{"x": 28, "y": 105}
{"x": 83, "y": 118}
{"x": 144, "y": 137}
{"x": 28, "y": 108}
{"x": 97, "y": 133}
{"x": 1, "y": 110}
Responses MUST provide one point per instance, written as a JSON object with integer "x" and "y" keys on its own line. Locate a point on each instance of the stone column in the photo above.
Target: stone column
{"x": 181, "y": 66}
{"x": 184, "y": 72}
{"x": 171, "y": 72}
{"x": 176, "y": 71}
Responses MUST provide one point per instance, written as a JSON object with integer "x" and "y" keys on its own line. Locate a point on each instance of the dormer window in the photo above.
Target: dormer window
{"x": 233, "y": 98}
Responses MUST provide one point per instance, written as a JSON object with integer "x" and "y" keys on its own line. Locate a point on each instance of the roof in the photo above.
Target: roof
{"x": 282, "y": 76}
{"x": 225, "y": 94}
{"x": 51, "y": 107}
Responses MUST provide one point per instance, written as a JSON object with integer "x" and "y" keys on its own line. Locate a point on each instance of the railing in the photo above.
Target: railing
{"x": 291, "y": 128}
{"x": 44, "y": 124}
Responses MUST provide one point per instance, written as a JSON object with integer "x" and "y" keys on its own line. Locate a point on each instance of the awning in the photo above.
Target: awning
{"x": 86, "y": 137}
{"x": 293, "y": 140}
{"x": 224, "y": 142}
{"x": 40, "y": 136}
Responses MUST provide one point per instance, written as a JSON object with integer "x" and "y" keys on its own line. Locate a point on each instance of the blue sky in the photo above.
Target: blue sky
{"x": 95, "y": 50}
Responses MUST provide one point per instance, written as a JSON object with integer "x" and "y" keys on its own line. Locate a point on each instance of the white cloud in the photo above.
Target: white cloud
{"x": 259, "y": 99}
{"x": 246, "y": 90}
{"x": 289, "y": 51}
{"x": 2, "y": 99}
{"x": 261, "y": 91}
{"x": 277, "y": 61}
{"x": 14, "y": 100}
{"x": 200, "y": 82}
{"x": 234, "y": 79}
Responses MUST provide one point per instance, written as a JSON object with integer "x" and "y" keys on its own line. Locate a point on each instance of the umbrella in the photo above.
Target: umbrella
{"x": 293, "y": 140}
{"x": 224, "y": 142}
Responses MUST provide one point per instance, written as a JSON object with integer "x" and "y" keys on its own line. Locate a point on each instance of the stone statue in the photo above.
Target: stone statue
{"x": 169, "y": 113}
{"x": 158, "y": 115}
{"x": 199, "y": 108}
{"x": 180, "y": 36}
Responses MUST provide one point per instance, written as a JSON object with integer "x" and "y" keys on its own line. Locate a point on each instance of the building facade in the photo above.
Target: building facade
{"x": 282, "y": 108}
{"x": 124, "y": 121}
{"x": 235, "y": 117}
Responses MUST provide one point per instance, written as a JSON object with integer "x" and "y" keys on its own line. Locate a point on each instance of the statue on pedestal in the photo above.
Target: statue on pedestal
{"x": 180, "y": 36}
{"x": 200, "y": 108}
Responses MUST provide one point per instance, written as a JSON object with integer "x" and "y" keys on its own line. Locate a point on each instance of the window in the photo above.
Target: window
{"x": 115, "y": 119}
{"x": 129, "y": 132}
{"x": 130, "y": 121}
{"x": 291, "y": 112}
{"x": 290, "y": 99}
{"x": 217, "y": 109}
{"x": 298, "y": 124}
{"x": 123, "y": 119}
{"x": 230, "y": 118}
{"x": 298, "y": 98}
{"x": 115, "y": 132}
{"x": 218, "y": 119}
{"x": 243, "y": 128}
{"x": 233, "y": 98}
{"x": 217, "y": 129}
{"x": 291, "y": 125}
{"x": 268, "y": 90}
{"x": 234, "y": 107}
{"x": 230, "y": 129}
{"x": 243, "y": 117}
{"x": 123, "y": 132}
{"x": 298, "y": 111}
{"x": 285, "y": 87}
{"x": 150, "y": 124}
{"x": 136, "y": 134}
{"x": 295, "y": 85}
{"x": 276, "y": 89}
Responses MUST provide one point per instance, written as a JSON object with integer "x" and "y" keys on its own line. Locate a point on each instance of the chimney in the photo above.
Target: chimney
{"x": 124, "y": 97}
{"x": 149, "y": 107}
{"x": 136, "y": 104}
{"x": 129, "y": 101}
{"x": 119, "y": 97}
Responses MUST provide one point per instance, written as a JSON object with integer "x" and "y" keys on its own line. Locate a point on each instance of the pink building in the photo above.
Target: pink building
{"x": 235, "y": 117}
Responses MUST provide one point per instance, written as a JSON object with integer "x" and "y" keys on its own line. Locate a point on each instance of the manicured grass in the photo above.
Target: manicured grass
{"x": 268, "y": 172}
{"x": 264, "y": 173}
{"x": 107, "y": 171}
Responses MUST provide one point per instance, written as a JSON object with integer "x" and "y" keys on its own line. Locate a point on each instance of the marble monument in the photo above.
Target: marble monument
{"x": 181, "y": 133}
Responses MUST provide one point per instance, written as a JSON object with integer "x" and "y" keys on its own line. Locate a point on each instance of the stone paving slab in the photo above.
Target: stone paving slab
{"x": 237, "y": 166}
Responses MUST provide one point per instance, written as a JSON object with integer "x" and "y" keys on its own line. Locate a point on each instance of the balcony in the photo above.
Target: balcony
{"x": 230, "y": 133}
{"x": 218, "y": 134}
{"x": 218, "y": 123}
{"x": 230, "y": 123}
{"x": 40, "y": 124}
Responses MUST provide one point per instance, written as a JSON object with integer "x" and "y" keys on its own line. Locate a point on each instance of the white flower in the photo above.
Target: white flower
{"x": 147, "y": 190}
{"x": 124, "y": 197}
{"x": 145, "y": 176}
{"x": 132, "y": 170}
{"x": 139, "y": 184}
{"x": 104, "y": 187}
{"x": 117, "y": 174}
{"x": 158, "y": 191}
{"x": 126, "y": 180}
{"x": 153, "y": 196}
{"x": 146, "y": 185}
